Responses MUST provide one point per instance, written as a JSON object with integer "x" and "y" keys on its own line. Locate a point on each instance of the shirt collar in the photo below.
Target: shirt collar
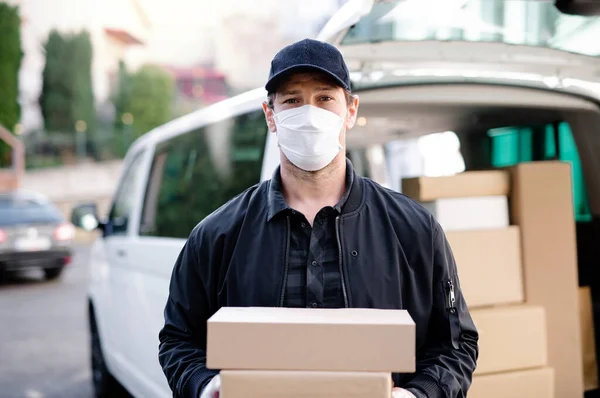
{"x": 276, "y": 201}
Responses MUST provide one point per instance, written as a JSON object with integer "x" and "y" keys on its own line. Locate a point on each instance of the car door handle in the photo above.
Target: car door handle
{"x": 121, "y": 253}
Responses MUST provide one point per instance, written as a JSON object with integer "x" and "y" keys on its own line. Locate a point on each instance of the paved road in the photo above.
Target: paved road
{"x": 43, "y": 334}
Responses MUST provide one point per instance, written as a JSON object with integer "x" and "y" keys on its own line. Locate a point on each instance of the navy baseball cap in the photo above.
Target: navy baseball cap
{"x": 306, "y": 55}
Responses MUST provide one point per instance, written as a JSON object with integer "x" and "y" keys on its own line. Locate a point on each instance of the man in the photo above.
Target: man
{"x": 318, "y": 235}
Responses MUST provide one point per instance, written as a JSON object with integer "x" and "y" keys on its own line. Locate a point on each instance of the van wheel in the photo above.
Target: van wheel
{"x": 105, "y": 385}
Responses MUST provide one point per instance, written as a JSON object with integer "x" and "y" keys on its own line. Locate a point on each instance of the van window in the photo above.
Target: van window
{"x": 195, "y": 173}
{"x": 512, "y": 145}
{"x": 125, "y": 198}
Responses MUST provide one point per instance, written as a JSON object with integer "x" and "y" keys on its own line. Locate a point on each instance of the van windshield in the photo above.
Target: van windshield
{"x": 522, "y": 22}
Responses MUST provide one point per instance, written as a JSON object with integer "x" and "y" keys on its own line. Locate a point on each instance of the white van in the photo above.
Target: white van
{"x": 502, "y": 92}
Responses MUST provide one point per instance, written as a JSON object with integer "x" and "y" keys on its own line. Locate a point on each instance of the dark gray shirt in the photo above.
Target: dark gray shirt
{"x": 313, "y": 278}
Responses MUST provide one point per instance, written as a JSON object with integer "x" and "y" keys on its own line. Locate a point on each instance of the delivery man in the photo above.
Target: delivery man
{"x": 317, "y": 235}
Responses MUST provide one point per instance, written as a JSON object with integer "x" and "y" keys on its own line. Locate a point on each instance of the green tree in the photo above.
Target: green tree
{"x": 56, "y": 86}
{"x": 83, "y": 94}
{"x": 10, "y": 63}
{"x": 152, "y": 91}
{"x": 122, "y": 97}
{"x": 67, "y": 94}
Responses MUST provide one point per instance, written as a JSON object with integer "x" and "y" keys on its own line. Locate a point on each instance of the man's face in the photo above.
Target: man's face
{"x": 317, "y": 90}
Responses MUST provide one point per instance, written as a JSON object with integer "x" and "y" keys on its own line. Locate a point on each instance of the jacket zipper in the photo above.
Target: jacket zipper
{"x": 339, "y": 242}
{"x": 452, "y": 314}
{"x": 451, "y": 297}
{"x": 286, "y": 262}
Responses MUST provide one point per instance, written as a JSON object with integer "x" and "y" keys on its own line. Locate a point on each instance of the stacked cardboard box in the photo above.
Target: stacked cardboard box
{"x": 588, "y": 342}
{"x": 542, "y": 206}
{"x": 473, "y": 210}
{"x": 289, "y": 352}
{"x": 503, "y": 267}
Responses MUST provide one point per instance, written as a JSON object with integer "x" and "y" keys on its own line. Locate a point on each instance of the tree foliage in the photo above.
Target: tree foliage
{"x": 122, "y": 97}
{"x": 10, "y": 63}
{"x": 67, "y": 93}
{"x": 151, "y": 98}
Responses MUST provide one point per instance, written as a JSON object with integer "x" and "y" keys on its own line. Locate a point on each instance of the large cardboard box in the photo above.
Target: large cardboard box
{"x": 489, "y": 265}
{"x": 542, "y": 206}
{"x": 590, "y": 364}
{"x": 474, "y": 213}
{"x": 510, "y": 338}
{"x": 304, "y": 384}
{"x": 471, "y": 183}
{"x": 368, "y": 340}
{"x": 534, "y": 383}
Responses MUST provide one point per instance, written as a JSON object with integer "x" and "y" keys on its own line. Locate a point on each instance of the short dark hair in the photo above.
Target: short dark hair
{"x": 347, "y": 93}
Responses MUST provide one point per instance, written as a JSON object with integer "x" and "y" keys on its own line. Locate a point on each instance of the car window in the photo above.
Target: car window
{"x": 197, "y": 172}
{"x": 15, "y": 211}
{"x": 124, "y": 202}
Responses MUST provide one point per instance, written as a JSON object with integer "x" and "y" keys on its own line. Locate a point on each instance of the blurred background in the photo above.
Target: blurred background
{"x": 94, "y": 76}
{"x": 81, "y": 80}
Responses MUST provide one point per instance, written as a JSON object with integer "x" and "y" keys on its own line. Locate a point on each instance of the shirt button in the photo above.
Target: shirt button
{"x": 303, "y": 225}
{"x": 315, "y": 305}
{"x": 314, "y": 263}
{"x": 320, "y": 222}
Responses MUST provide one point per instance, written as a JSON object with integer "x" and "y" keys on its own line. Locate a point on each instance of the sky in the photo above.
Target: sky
{"x": 181, "y": 30}
{"x": 184, "y": 31}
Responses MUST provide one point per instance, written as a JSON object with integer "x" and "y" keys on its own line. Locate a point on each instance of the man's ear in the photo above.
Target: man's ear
{"x": 352, "y": 113}
{"x": 269, "y": 117}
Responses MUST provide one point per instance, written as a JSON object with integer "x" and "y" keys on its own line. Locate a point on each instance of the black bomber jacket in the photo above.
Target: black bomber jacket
{"x": 393, "y": 255}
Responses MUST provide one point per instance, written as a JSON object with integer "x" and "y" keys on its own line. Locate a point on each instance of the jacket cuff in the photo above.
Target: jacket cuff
{"x": 424, "y": 386}
{"x": 195, "y": 381}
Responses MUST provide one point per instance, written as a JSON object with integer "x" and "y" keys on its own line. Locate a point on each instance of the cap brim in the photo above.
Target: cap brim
{"x": 279, "y": 77}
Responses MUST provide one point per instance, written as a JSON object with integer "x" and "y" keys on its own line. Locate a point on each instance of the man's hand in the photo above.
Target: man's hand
{"x": 402, "y": 393}
{"x": 213, "y": 388}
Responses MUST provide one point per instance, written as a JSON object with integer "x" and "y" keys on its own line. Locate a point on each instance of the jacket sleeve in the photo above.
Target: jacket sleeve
{"x": 182, "y": 348}
{"x": 445, "y": 366}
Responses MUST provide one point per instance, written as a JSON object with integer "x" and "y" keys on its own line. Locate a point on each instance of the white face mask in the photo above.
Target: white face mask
{"x": 309, "y": 136}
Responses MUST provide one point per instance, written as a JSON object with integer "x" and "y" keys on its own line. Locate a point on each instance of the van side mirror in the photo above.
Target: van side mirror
{"x": 85, "y": 216}
{"x": 578, "y": 7}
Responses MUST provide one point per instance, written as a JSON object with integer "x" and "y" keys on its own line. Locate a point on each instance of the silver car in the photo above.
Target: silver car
{"x": 33, "y": 234}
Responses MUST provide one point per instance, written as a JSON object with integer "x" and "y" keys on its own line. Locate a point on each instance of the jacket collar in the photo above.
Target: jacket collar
{"x": 349, "y": 202}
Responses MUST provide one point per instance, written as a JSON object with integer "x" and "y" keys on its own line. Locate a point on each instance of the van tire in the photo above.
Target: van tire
{"x": 103, "y": 382}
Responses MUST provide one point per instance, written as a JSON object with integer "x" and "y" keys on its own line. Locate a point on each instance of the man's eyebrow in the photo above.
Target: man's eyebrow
{"x": 290, "y": 92}
{"x": 324, "y": 88}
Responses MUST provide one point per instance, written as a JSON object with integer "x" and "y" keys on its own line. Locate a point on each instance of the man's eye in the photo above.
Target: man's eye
{"x": 326, "y": 98}
{"x": 290, "y": 101}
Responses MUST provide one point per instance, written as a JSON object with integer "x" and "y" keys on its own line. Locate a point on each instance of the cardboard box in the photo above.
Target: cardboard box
{"x": 468, "y": 184}
{"x": 367, "y": 340}
{"x": 475, "y": 213}
{"x": 588, "y": 348}
{"x": 489, "y": 265}
{"x": 304, "y": 384}
{"x": 510, "y": 338}
{"x": 542, "y": 205}
{"x": 535, "y": 383}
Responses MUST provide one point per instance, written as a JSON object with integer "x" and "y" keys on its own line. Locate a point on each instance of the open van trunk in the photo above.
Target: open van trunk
{"x": 467, "y": 87}
{"x": 482, "y": 127}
